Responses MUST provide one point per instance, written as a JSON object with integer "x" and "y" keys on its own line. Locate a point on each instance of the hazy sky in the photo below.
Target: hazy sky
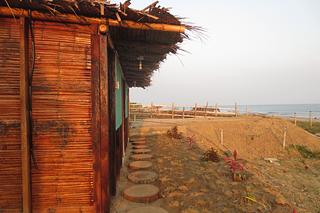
{"x": 257, "y": 52}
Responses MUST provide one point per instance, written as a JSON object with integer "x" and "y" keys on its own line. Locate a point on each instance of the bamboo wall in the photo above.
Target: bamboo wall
{"x": 62, "y": 176}
{"x": 10, "y": 154}
{"x": 73, "y": 108}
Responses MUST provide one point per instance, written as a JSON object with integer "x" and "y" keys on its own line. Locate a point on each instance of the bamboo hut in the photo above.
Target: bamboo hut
{"x": 66, "y": 67}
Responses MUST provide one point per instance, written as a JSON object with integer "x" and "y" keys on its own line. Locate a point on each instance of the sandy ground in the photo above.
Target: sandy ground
{"x": 189, "y": 184}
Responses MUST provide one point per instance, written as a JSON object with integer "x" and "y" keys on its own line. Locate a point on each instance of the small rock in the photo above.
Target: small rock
{"x": 190, "y": 210}
{"x": 183, "y": 188}
{"x": 175, "y": 194}
{"x": 228, "y": 193}
{"x": 195, "y": 194}
{"x": 191, "y": 180}
{"x": 201, "y": 203}
{"x": 204, "y": 190}
{"x": 164, "y": 179}
{"x": 280, "y": 200}
{"x": 174, "y": 204}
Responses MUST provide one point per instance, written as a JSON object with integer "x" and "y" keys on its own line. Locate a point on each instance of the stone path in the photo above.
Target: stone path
{"x": 140, "y": 174}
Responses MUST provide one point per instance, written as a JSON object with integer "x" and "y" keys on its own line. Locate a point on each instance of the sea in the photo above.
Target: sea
{"x": 282, "y": 110}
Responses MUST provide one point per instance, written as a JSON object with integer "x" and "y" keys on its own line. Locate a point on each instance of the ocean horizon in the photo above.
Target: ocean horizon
{"x": 283, "y": 110}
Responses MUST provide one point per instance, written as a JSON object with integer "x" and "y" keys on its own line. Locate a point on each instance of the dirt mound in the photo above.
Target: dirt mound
{"x": 252, "y": 137}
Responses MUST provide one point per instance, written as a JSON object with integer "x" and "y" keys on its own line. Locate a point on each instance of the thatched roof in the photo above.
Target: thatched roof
{"x": 152, "y": 46}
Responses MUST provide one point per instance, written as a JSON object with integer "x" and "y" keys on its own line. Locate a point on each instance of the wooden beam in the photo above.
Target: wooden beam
{"x": 25, "y": 115}
{"x": 95, "y": 73}
{"x": 112, "y": 122}
{"x": 71, "y": 18}
{"x": 139, "y": 44}
{"x": 104, "y": 118}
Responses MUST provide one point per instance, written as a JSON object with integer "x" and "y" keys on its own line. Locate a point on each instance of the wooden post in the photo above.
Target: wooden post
{"x": 172, "y": 111}
{"x": 216, "y": 110}
{"x": 295, "y": 119}
{"x": 112, "y": 124}
{"x": 205, "y": 111}
{"x": 25, "y": 115}
{"x": 195, "y": 110}
{"x": 183, "y": 112}
{"x": 104, "y": 122}
{"x": 221, "y": 136}
{"x": 158, "y": 112}
{"x": 235, "y": 110}
{"x": 284, "y": 138}
{"x": 95, "y": 72}
{"x": 310, "y": 118}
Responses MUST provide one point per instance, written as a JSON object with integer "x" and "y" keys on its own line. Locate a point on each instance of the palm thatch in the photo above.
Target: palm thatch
{"x": 152, "y": 46}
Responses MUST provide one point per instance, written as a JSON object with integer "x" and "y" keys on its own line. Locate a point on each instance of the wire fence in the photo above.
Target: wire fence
{"x": 174, "y": 111}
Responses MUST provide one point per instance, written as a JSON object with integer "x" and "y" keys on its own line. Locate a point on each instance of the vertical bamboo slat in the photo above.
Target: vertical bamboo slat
{"x": 10, "y": 147}
{"x": 25, "y": 114}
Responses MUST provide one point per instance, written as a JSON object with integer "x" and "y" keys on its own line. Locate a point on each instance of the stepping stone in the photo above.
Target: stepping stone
{"x": 136, "y": 165}
{"x": 137, "y": 139}
{"x": 141, "y": 157}
{"x": 148, "y": 209}
{"x": 141, "y": 193}
{"x": 143, "y": 177}
{"x": 139, "y": 143}
{"x": 141, "y": 151}
{"x": 139, "y": 147}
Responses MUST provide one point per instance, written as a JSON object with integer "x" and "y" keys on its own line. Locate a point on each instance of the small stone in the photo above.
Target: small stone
{"x": 164, "y": 179}
{"x": 174, "y": 204}
{"x": 175, "y": 194}
{"x": 280, "y": 200}
{"x": 201, "y": 203}
{"x": 204, "y": 190}
{"x": 191, "y": 180}
{"x": 195, "y": 194}
{"x": 190, "y": 210}
{"x": 183, "y": 188}
{"x": 228, "y": 193}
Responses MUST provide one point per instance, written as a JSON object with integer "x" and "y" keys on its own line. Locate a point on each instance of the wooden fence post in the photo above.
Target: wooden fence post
{"x": 295, "y": 119}
{"x": 195, "y": 110}
{"x": 183, "y": 112}
{"x": 235, "y": 110}
{"x": 221, "y": 136}
{"x": 158, "y": 112}
{"x": 172, "y": 111}
{"x": 216, "y": 110}
{"x": 284, "y": 138}
{"x": 205, "y": 110}
{"x": 310, "y": 118}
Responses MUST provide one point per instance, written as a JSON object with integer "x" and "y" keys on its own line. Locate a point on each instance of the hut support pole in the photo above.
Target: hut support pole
{"x": 104, "y": 123}
{"x": 25, "y": 116}
{"x": 96, "y": 116}
{"x": 100, "y": 119}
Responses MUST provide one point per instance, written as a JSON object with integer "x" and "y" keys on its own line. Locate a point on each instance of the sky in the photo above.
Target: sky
{"x": 256, "y": 52}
